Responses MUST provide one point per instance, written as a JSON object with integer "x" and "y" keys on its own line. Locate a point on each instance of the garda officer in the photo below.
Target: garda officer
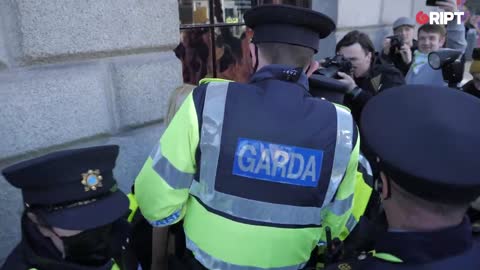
{"x": 74, "y": 212}
{"x": 426, "y": 142}
{"x": 255, "y": 170}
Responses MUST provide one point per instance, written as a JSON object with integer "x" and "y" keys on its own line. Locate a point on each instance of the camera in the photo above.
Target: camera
{"x": 451, "y": 62}
{"x": 396, "y": 43}
{"x": 433, "y": 3}
{"x": 324, "y": 82}
{"x": 332, "y": 65}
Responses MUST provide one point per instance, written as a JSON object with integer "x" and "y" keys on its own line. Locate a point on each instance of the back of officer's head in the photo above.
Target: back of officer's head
{"x": 404, "y": 209}
{"x": 286, "y": 35}
{"x": 284, "y": 54}
{"x": 425, "y": 140}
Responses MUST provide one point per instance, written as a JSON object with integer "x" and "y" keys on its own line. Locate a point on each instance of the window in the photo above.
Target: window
{"x": 214, "y": 39}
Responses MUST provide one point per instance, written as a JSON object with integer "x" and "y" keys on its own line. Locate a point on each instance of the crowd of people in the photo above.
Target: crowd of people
{"x": 262, "y": 175}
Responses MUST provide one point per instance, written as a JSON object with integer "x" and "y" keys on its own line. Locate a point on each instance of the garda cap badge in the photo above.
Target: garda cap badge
{"x": 344, "y": 266}
{"x": 92, "y": 180}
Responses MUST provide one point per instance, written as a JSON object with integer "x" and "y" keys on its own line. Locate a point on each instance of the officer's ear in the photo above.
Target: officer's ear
{"x": 253, "y": 54}
{"x": 384, "y": 190}
{"x": 382, "y": 182}
{"x": 314, "y": 65}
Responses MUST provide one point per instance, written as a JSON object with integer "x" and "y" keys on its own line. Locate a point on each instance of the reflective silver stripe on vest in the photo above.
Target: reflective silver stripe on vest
{"x": 213, "y": 263}
{"x": 211, "y": 133}
{"x": 340, "y": 207}
{"x": 259, "y": 211}
{"x": 351, "y": 223}
{"x": 174, "y": 177}
{"x": 365, "y": 164}
{"x": 343, "y": 149}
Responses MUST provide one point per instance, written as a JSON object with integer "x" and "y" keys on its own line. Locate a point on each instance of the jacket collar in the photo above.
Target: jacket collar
{"x": 39, "y": 252}
{"x": 424, "y": 247}
{"x": 277, "y": 72}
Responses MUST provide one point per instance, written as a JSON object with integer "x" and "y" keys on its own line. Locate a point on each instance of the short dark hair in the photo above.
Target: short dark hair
{"x": 433, "y": 28}
{"x": 286, "y": 54}
{"x": 356, "y": 37}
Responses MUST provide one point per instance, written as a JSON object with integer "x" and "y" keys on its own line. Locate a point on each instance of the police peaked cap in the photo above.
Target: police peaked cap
{"x": 288, "y": 24}
{"x": 71, "y": 189}
{"x": 428, "y": 140}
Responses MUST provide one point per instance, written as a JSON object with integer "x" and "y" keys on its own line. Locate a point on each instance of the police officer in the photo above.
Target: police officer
{"x": 255, "y": 170}
{"x": 426, "y": 145}
{"x": 74, "y": 212}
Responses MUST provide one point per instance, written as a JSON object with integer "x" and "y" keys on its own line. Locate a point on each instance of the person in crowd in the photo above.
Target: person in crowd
{"x": 404, "y": 44}
{"x": 472, "y": 32}
{"x": 432, "y": 37}
{"x": 369, "y": 75}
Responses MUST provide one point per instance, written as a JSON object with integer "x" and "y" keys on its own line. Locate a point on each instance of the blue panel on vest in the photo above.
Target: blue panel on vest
{"x": 277, "y": 163}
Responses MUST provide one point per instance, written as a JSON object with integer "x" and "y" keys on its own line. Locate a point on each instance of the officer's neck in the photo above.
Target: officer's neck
{"x": 263, "y": 64}
{"x": 417, "y": 220}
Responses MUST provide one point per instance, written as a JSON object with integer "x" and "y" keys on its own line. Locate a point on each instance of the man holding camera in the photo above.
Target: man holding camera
{"x": 399, "y": 48}
{"x": 369, "y": 76}
{"x": 432, "y": 37}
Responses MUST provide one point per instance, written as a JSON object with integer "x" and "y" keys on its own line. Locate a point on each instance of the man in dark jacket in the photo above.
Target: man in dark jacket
{"x": 401, "y": 57}
{"x": 370, "y": 76}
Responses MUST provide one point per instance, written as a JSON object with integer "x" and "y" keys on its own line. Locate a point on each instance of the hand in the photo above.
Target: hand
{"x": 347, "y": 80}
{"x": 386, "y": 46}
{"x": 448, "y": 5}
{"x": 320, "y": 63}
{"x": 406, "y": 53}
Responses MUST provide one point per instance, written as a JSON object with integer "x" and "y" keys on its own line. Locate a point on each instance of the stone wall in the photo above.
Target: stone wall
{"x": 78, "y": 73}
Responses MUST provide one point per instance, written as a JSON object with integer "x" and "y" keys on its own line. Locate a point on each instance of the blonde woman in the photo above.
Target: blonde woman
{"x": 176, "y": 99}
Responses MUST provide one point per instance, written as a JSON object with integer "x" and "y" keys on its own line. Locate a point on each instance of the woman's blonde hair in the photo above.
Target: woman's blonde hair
{"x": 176, "y": 99}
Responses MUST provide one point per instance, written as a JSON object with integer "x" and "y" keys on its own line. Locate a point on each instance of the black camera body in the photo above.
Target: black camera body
{"x": 451, "y": 62}
{"x": 396, "y": 43}
{"x": 433, "y": 3}
{"x": 332, "y": 65}
{"x": 324, "y": 82}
